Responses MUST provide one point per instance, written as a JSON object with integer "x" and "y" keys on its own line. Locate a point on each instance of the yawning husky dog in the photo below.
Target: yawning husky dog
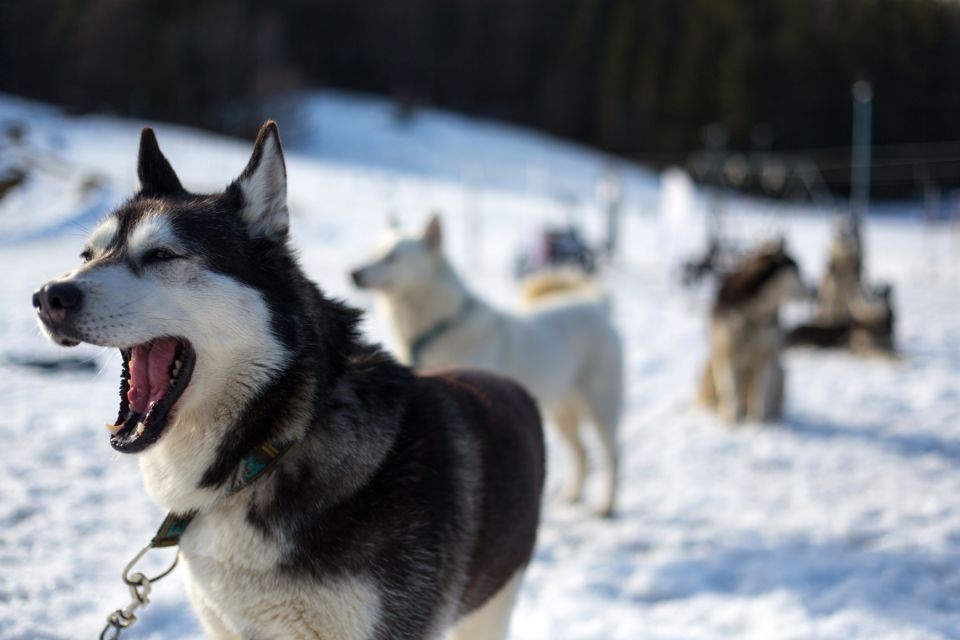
{"x": 564, "y": 350}
{"x": 743, "y": 377}
{"x": 399, "y": 506}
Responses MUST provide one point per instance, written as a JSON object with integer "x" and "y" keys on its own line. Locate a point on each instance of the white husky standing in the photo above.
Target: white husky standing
{"x": 564, "y": 350}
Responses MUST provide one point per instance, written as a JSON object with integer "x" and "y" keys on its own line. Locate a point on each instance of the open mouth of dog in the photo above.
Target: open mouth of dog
{"x": 155, "y": 374}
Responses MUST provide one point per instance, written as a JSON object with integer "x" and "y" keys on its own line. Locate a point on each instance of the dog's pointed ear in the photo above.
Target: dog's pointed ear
{"x": 433, "y": 233}
{"x": 154, "y": 173}
{"x": 263, "y": 186}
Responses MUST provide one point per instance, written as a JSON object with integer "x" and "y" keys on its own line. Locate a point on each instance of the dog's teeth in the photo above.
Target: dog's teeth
{"x": 113, "y": 428}
{"x": 141, "y": 428}
{"x": 171, "y": 379}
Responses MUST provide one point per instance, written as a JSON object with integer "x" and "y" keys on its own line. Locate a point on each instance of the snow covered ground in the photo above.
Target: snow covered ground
{"x": 844, "y": 522}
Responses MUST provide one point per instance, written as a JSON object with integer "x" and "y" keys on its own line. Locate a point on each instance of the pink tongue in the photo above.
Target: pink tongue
{"x": 150, "y": 373}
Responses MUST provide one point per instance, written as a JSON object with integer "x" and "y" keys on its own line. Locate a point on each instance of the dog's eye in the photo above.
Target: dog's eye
{"x": 86, "y": 255}
{"x": 158, "y": 255}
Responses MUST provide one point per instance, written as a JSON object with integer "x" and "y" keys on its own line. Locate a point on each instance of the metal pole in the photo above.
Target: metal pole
{"x": 860, "y": 165}
{"x": 610, "y": 192}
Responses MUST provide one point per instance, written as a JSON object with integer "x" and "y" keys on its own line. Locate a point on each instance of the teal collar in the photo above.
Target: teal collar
{"x": 253, "y": 466}
{"x": 430, "y": 335}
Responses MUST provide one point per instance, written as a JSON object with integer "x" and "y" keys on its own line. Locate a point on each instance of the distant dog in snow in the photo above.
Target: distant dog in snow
{"x": 744, "y": 377}
{"x": 563, "y": 348}
{"x": 848, "y": 314}
{"x": 397, "y": 506}
{"x": 841, "y": 288}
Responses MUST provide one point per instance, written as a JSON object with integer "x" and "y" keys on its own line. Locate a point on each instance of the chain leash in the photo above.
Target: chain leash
{"x": 140, "y": 587}
{"x": 252, "y": 466}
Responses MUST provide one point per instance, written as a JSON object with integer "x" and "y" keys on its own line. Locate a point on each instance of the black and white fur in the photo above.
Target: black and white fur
{"x": 407, "y": 506}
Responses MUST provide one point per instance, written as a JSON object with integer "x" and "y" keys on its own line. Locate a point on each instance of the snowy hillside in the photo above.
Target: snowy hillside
{"x": 844, "y": 522}
{"x": 366, "y": 132}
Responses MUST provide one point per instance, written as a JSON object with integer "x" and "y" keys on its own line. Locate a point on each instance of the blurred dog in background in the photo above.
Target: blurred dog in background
{"x": 744, "y": 377}
{"x": 841, "y": 289}
{"x": 562, "y": 347}
{"x": 849, "y": 314}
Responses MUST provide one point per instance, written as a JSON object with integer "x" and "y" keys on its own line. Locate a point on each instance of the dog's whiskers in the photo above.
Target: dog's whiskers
{"x": 132, "y": 302}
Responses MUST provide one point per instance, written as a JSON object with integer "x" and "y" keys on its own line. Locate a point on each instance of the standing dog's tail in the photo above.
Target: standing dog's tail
{"x": 547, "y": 285}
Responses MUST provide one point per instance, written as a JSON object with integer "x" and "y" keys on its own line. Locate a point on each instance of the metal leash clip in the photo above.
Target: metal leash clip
{"x": 140, "y": 586}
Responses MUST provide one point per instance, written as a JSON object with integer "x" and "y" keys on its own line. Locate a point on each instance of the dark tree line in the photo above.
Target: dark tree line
{"x": 637, "y": 77}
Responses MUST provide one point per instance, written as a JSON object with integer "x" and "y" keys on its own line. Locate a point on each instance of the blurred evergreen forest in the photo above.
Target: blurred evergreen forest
{"x": 641, "y": 78}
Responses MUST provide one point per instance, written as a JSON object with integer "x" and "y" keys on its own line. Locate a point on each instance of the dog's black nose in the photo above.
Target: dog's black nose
{"x": 57, "y": 298}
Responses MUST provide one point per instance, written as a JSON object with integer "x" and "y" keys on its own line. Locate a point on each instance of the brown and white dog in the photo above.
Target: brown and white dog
{"x": 743, "y": 378}
{"x": 849, "y": 315}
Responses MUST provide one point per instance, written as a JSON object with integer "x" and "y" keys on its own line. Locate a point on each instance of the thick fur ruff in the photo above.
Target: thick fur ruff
{"x": 405, "y": 506}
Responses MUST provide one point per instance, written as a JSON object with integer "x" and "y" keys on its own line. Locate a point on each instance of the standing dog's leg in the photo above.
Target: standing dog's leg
{"x": 774, "y": 392}
{"x": 607, "y": 430}
{"x": 756, "y": 381}
{"x": 707, "y": 395}
{"x": 604, "y": 402}
{"x": 728, "y": 390}
{"x": 492, "y": 620}
{"x": 757, "y": 391}
{"x": 567, "y": 419}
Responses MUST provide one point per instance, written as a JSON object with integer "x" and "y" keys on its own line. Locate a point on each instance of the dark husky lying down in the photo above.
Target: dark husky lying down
{"x": 398, "y": 507}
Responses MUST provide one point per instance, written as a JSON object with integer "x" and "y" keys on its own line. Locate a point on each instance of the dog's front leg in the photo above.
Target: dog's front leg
{"x": 729, "y": 389}
{"x": 707, "y": 394}
{"x": 764, "y": 392}
{"x": 755, "y": 394}
{"x": 773, "y": 392}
